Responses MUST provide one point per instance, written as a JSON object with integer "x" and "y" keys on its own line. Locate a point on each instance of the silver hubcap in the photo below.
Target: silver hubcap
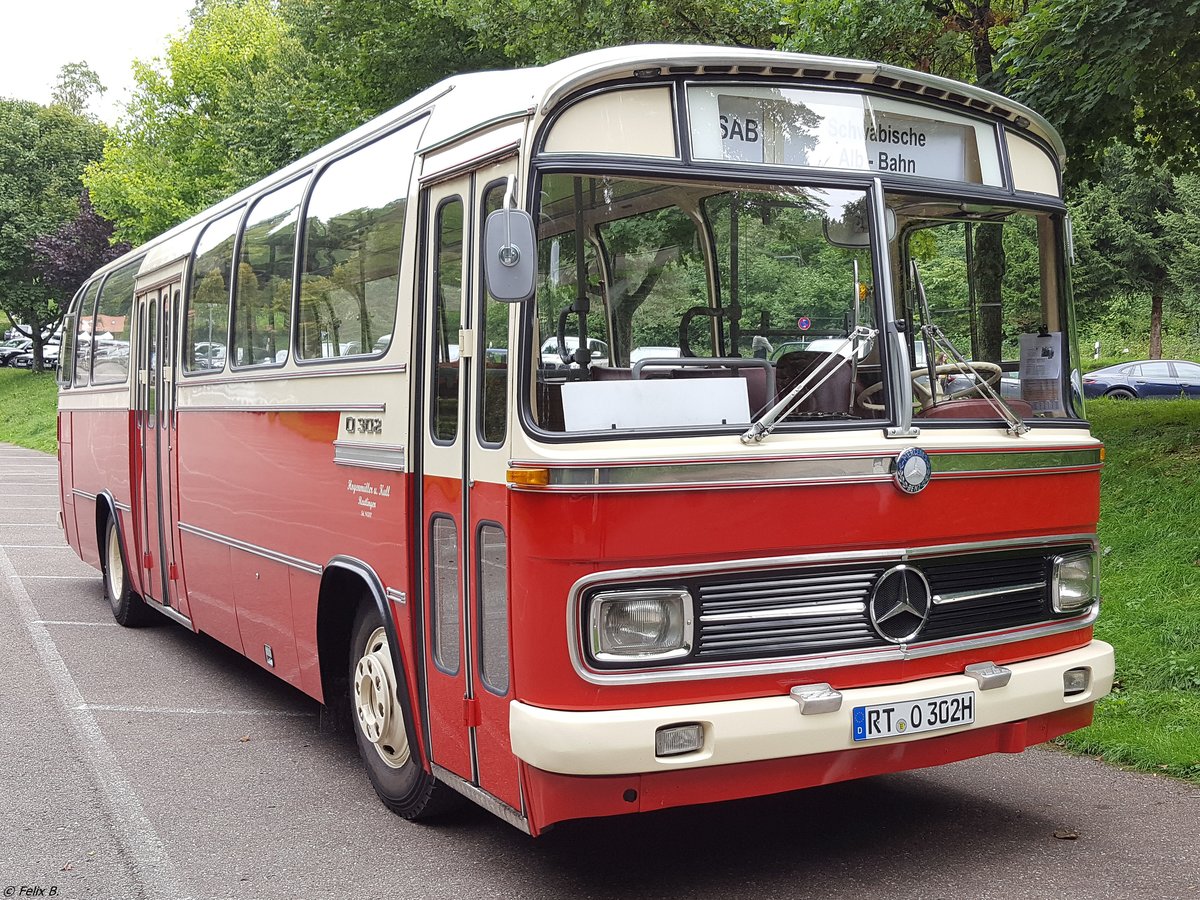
{"x": 115, "y": 569}
{"x": 375, "y": 702}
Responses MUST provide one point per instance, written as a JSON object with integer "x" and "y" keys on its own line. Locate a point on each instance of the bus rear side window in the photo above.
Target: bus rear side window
{"x": 83, "y": 349}
{"x": 110, "y": 331}
{"x": 353, "y": 234}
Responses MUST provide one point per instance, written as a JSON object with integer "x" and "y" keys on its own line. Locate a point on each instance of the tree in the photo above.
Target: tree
{"x": 76, "y": 85}
{"x": 1121, "y": 235}
{"x": 43, "y": 151}
{"x": 370, "y": 55}
{"x": 534, "y": 32}
{"x": 64, "y": 259}
{"x": 225, "y": 109}
{"x": 1122, "y": 70}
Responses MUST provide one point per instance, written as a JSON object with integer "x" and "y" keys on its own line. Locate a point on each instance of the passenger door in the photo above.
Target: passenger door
{"x": 463, "y": 490}
{"x": 154, "y": 408}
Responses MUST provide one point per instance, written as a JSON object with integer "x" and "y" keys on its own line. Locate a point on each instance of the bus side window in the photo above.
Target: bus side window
{"x": 207, "y": 318}
{"x": 114, "y": 317}
{"x": 353, "y": 237}
{"x": 447, "y": 319}
{"x": 493, "y": 366}
{"x": 263, "y": 281}
{"x": 85, "y": 349}
{"x": 67, "y": 350}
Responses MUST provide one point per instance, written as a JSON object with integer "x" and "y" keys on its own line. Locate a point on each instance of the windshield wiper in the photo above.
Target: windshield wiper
{"x": 935, "y": 339}
{"x": 821, "y": 372}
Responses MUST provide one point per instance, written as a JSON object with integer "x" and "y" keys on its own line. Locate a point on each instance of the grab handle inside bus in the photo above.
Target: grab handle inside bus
{"x": 510, "y": 252}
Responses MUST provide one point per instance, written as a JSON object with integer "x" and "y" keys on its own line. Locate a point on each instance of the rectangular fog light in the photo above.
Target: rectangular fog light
{"x": 673, "y": 740}
{"x": 1076, "y": 681}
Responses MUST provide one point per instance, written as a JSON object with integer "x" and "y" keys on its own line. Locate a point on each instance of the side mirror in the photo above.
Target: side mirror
{"x": 510, "y": 255}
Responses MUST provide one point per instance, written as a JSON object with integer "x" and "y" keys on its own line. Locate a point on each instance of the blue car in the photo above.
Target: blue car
{"x": 1164, "y": 379}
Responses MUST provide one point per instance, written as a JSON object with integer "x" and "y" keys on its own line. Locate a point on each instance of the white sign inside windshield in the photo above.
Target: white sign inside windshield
{"x": 782, "y": 126}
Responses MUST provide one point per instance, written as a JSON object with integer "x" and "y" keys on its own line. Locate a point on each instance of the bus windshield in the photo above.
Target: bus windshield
{"x": 690, "y": 307}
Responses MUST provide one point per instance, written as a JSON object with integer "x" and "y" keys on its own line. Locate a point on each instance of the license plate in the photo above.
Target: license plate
{"x": 913, "y": 717}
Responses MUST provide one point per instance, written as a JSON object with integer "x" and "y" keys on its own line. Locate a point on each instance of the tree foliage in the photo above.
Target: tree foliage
{"x": 534, "y": 32}
{"x": 223, "y": 109}
{"x": 43, "y": 151}
{"x": 1122, "y": 70}
{"x": 75, "y": 87}
{"x": 64, "y": 258}
{"x": 371, "y": 55}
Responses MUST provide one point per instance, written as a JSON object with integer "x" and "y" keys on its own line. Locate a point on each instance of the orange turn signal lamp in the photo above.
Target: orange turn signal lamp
{"x": 529, "y": 477}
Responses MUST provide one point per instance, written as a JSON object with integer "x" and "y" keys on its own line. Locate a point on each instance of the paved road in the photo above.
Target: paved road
{"x": 157, "y": 763}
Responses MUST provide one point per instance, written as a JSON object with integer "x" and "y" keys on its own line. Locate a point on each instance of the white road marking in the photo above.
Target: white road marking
{"x": 152, "y": 868}
{"x": 63, "y": 577}
{"x": 185, "y": 711}
{"x": 52, "y": 622}
{"x": 36, "y": 546}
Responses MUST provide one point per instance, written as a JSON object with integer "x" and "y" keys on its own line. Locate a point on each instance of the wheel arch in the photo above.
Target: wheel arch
{"x": 106, "y": 508}
{"x": 345, "y": 576}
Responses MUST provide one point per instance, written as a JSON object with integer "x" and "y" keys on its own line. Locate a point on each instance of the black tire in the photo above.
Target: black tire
{"x": 1121, "y": 394}
{"x": 396, "y": 772}
{"x": 128, "y": 608}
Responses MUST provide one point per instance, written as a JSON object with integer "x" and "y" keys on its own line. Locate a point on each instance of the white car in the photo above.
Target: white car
{"x": 551, "y": 359}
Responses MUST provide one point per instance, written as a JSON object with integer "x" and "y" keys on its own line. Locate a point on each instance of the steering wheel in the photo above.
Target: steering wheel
{"x": 924, "y": 394}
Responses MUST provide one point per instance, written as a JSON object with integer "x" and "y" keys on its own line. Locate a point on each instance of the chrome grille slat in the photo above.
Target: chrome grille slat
{"x": 718, "y": 592}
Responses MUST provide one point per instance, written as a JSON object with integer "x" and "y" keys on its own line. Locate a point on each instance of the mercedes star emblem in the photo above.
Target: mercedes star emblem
{"x": 912, "y": 470}
{"x": 900, "y": 603}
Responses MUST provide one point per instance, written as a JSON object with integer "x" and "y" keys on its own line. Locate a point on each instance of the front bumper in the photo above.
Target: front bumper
{"x": 615, "y": 742}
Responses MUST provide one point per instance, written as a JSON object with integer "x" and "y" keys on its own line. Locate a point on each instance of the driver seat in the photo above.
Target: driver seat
{"x": 833, "y": 396}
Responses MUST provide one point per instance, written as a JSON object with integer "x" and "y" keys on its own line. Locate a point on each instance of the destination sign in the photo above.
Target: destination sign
{"x": 791, "y": 127}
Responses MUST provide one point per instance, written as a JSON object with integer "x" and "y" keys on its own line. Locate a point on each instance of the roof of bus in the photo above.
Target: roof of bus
{"x": 457, "y": 102}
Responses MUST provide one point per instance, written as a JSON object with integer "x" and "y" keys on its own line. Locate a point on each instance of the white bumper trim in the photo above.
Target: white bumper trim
{"x": 620, "y": 742}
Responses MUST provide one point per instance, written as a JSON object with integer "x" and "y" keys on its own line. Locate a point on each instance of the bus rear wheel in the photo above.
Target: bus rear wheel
{"x": 378, "y": 696}
{"x": 128, "y": 608}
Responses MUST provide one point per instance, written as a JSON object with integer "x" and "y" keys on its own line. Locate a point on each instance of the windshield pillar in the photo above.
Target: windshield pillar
{"x": 898, "y": 364}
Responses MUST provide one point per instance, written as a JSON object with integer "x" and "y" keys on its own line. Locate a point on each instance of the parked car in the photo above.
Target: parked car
{"x": 551, "y": 359}
{"x": 1162, "y": 379}
{"x": 12, "y": 348}
{"x": 49, "y": 357}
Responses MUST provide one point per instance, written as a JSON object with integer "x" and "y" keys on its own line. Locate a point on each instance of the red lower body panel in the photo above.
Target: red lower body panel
{"x": 554, "y": 798}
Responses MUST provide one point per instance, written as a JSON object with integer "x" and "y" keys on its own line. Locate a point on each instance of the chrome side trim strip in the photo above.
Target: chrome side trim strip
{"x": 287, "y": 407}
{"x": 86, "y": 390}
{"x": 835, "y": 660}
{"x": 389, "y": 457}
{"x": 964, "y": 596}
{"x": 680, "y": 474}
{"x": 477, "y": 795}
{"x": 302, "y": 565}
{"x": 396, "y": 596}
{"x": 123, "y": 507}
{"x": 199, "y": 379}
{"x": 85, "y": 495}
{"x": 171, "y": 613}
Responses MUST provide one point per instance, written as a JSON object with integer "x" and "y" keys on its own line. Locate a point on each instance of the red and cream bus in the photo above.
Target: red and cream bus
{"x": 660, "y": 426}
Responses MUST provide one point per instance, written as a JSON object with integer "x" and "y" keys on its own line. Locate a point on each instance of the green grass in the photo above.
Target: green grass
{"x": 1150, "y": 582}
{"x": 28, "y": 409}
{"x": 1149, "y": 534}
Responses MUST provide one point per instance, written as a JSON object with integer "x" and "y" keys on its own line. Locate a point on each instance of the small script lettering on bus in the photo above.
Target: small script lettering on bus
{"x": 367, "y": 495}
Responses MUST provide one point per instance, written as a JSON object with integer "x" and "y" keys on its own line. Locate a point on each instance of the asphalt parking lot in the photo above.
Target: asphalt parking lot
{"x": 156, "y": 763}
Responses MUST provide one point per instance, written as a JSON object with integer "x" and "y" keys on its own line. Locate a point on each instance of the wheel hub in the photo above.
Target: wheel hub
{"x": 376, "y": 705}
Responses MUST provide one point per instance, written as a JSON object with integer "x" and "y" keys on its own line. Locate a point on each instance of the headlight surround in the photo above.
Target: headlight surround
{"x": 645, "y": 625}
{"x": 1076, "y": 581}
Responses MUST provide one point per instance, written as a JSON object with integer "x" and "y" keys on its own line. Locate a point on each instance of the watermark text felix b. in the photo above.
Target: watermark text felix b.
{"x": 31, "y": 890}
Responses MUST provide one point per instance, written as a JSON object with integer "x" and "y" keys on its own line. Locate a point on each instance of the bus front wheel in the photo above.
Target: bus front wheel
{"x": 127, "y": 607}
{"x": 377, "y": 695}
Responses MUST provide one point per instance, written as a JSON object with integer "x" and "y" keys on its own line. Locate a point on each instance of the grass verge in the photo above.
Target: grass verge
{"x": 1150, "y": 581}
{"x": 28, "y": 409}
